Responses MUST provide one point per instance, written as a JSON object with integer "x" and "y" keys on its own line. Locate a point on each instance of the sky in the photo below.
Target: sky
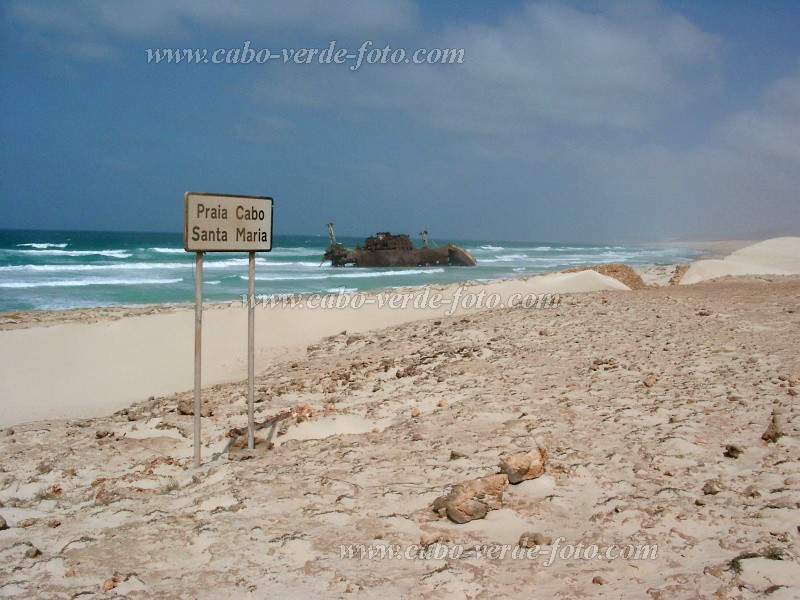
{"x": 564, "y": 122}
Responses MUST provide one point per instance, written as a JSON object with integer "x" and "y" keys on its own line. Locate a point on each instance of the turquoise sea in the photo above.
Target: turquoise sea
{"x": 66, "y": 269}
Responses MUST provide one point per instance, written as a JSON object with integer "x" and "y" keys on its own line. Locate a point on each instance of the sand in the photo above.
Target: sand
{"x": 635, "y": 395}
{"x": 778, "y": 256}
{"x": 669, "y": 415}
{"x": 73, "y": 370}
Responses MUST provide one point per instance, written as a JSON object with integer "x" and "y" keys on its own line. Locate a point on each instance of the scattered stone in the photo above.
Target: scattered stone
{"x": 442, "y": 402}
{"x": 3, "y": 524}
{"x": 649, "y": 382}
{"x": 732, "y": 451}
{"x": 239, "y": 449}
{"x": 32, "y": 552}
{"x": 774, "y": 430}
{"x": 703, "y": 313}
{"x": 102, "y": 433}
{"x": 524, "y": 465}
{"x": 186, "y": 407}
{"x": 454, "y": 455}
{"x": 532, "y": 539}
{"x": 791, "y": 480}
{"x": 472, "y": 499}
{"x": 415, "y": 413}
{"x": 712, "y": 487}
{"x": 751, "y": 491}
{"x": 700, "y": 502}
{"x": 598, "y": 580}
{"x": 108, "y": 585}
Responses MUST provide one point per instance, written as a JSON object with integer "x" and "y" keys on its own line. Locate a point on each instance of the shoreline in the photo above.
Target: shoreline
{"x": 22, "y": 319}
{"x": 90, "y": 362}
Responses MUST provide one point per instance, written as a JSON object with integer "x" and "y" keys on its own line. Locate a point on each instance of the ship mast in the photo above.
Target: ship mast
{"x": 424, "y": 234}
{"x": 332, "y": 235}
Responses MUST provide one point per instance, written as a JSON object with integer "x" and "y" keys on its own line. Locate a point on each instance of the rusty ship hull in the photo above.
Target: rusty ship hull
{"x": 387, "y": 250}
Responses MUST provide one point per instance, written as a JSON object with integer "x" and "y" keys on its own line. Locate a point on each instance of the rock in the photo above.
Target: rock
{"x": 649, "y": 382}
{"x": 102, "y": 433}
{"x": 784, "y": 502}
{"x": 488, "y": 489}
{"x": 415, "y": 413}
{"x": 733, "y": 451}
{"x": 108, "y": 585}
{"x": 751, "y": 491}
{"x": 3, "y": 524}
{"x": 186, "y": 407}
{"x": 428, "y": 539}
{"x": 441, "y": 403}
{"x": 454, "y": 455}
{"x": 791, "y": 480}
{"x": 472, "y": 500}
{"x": 239, "y": 449}
{"x": 711, "y": 488}
{"x": 524, "y": 465}
{"x": 703, "y": 313}
{"x": 598, "y": 580}
{"x": 32, "y": 552}
{"x": 464, "y": 510}
{"x": 532, "y": 539}
{"x": 793, "y": 391}
{"x": 774, "y": 430}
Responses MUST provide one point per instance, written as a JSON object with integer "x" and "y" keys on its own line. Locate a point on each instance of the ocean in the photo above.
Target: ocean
{"x": 68, "y": 269}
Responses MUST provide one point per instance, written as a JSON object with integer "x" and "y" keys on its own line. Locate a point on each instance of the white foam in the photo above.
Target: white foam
{"x": 85, "y": 282}
{"x": 48, "y": 252}
{"x": 169, "y": 250}
{"x": 43, "y": 245}
{"x": 354, "y": 275}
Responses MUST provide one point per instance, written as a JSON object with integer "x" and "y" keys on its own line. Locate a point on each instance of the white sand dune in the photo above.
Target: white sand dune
{"x": 78, "y": 370}
{"x": 778, "y": 256}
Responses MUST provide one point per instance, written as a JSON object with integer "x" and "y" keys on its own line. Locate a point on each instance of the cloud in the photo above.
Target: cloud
{"x": 770, "y": 131}
{"x": 97, "y": 23}
{"x": 544, "y": 66}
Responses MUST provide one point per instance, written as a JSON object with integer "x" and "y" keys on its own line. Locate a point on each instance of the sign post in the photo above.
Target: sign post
{"x": 251, "y": 336}
{"x": 225, "y": 223}
{"x": 198, "y": 340}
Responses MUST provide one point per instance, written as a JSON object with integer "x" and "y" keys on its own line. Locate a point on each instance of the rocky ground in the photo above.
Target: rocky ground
{"x": 652, "y": 407}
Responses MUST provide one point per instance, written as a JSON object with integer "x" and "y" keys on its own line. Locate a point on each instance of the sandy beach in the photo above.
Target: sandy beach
{"x": 665, "y": 409}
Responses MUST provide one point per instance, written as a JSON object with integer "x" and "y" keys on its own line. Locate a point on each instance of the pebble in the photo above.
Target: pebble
{"x": 186, "y": 407}
{"x": 598, "y": 580}
{"x": 711, "y": 487}
{"x": 733, "y": 451}
{"x": 791, "y": 480}
{"x": 3, "y": 524}
{"x": 415, "y": 413}
{"x": 32, "y": 552}
{"x": 534, "y": 538}
{"x": 751, "y": 491}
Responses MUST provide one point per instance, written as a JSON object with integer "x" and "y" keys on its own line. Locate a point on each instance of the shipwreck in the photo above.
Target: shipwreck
{"x": 387, "y": 250}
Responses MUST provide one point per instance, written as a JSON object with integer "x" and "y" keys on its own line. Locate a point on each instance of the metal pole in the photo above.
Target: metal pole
{"x": 198, "y": 335}
{"x": 251, "y": 321}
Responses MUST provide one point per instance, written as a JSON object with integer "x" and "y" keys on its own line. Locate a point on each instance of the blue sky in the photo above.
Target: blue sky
{"x": 567, "y": 121}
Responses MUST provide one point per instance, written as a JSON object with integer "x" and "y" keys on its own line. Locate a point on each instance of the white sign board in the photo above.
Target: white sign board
{"x": 224, "y": 223}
